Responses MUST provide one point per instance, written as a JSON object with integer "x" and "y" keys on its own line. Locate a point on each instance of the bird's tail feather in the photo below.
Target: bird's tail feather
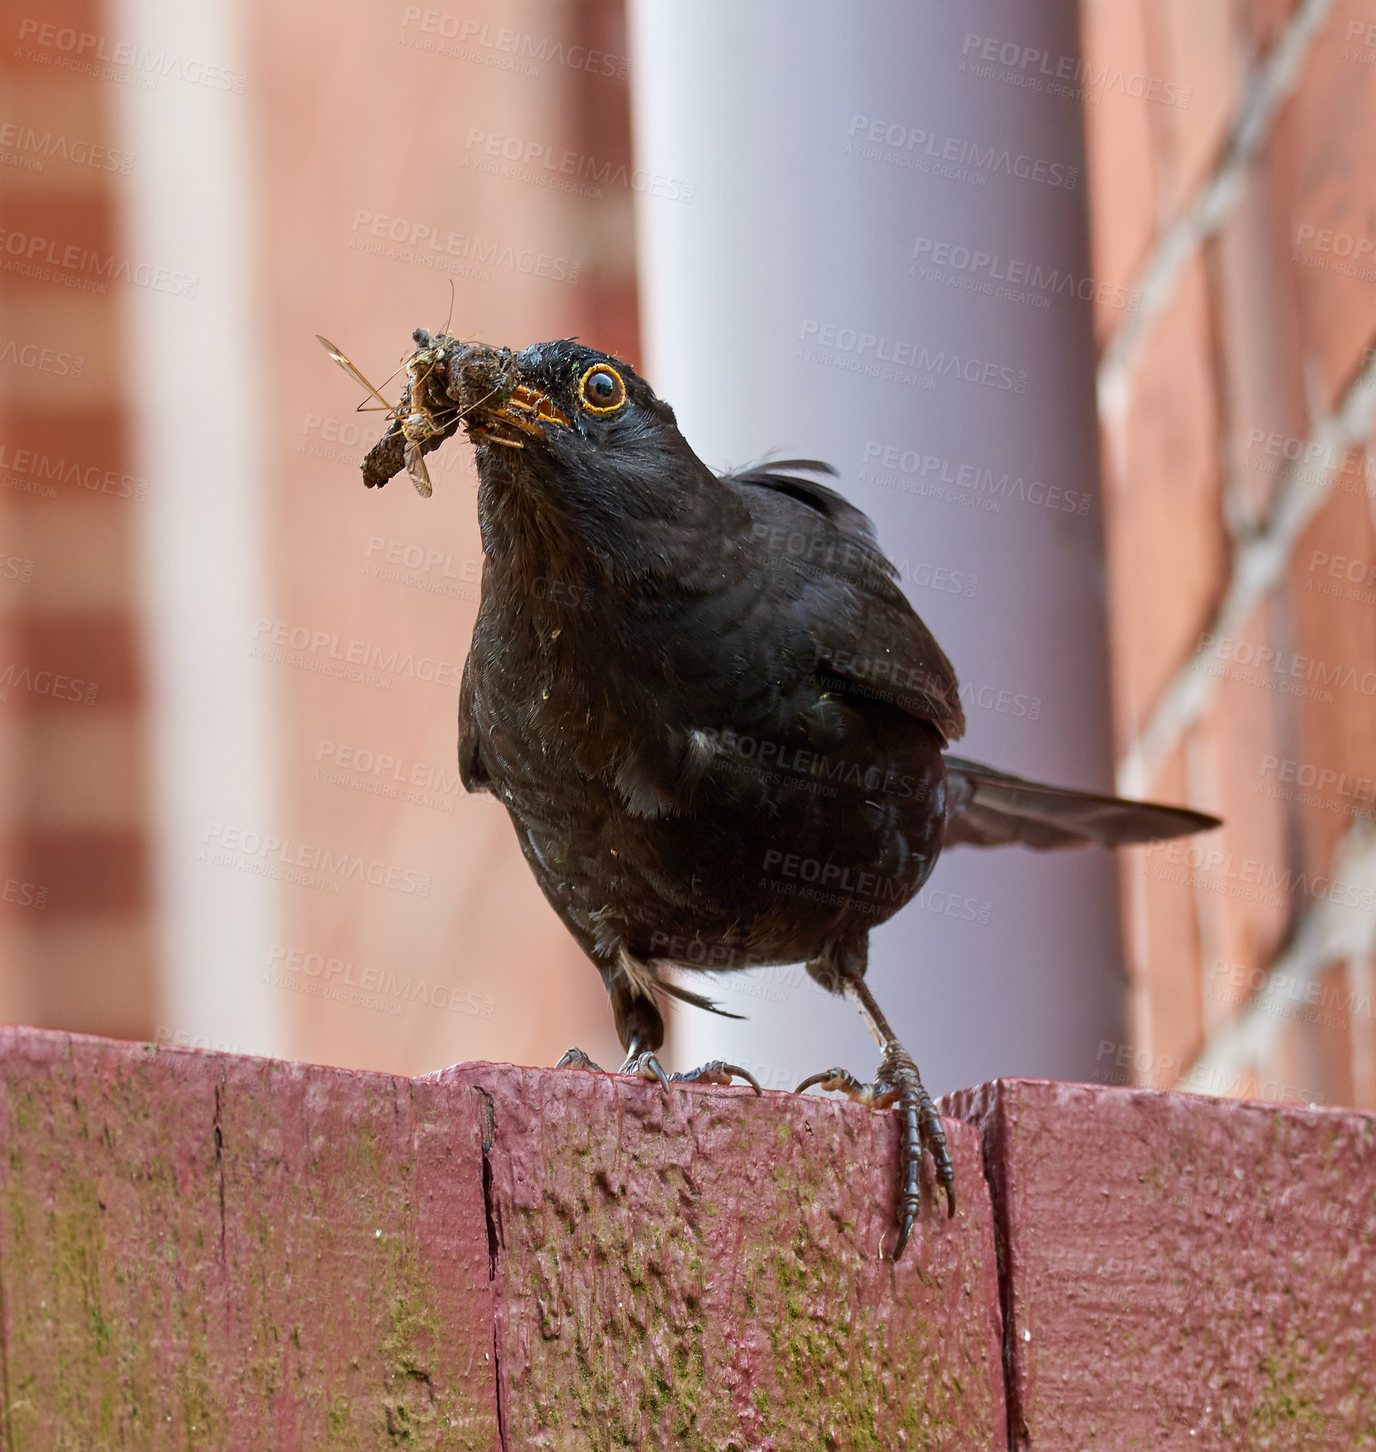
{"x": 991, "y": 809}
{"x": 646, "y": 976}
{"x": 698, "y": 1000}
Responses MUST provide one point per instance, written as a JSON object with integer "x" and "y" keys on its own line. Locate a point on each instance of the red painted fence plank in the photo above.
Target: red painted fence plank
{"x": 205, "y": 1250}
{"x": 1182, "y": 1272}
{"x": 201, "y": 1250}
{"x": 705, "y": 1269}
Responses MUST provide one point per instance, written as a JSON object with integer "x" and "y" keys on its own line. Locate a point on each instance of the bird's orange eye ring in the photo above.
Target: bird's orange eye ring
{"x": 600, "y": 390}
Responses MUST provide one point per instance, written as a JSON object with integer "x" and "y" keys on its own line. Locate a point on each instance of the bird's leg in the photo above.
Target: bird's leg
{"x": 639, "y": 1026}
{"x": 643, "y": 1060}
{"x": 896, "y": 1083}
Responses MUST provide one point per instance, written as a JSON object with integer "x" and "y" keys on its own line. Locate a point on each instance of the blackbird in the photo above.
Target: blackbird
{"x": 716, "y": 722}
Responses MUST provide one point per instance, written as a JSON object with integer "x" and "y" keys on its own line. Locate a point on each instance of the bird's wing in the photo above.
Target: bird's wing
{"x": 821, "y": 552}
{"x": 992, "y": 809}
{"x": 789, "y": 476}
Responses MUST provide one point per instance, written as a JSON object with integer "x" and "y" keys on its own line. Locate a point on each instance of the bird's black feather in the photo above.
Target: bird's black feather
{"x": 715, "y": 720}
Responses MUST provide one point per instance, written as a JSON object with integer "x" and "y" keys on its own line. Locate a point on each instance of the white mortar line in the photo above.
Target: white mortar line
{"x": 1212, "y": 203}
{"x": 1258, "y": 566}
{"x": 1330, "y": 932}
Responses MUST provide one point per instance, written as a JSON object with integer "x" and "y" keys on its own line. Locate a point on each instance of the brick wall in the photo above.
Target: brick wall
{"x": 1233, "y": 207}
{"x": 76, "y": 946}
{"x": 362, "y": 236}
{"x": 353, "y": 119}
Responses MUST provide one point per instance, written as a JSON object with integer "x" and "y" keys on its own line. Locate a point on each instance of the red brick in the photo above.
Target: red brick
{"x": 83, "y": 555}
{"x": 1190, "y": 46}
{"x": 87, "y": 871}
{"x": 55, "y": 106}
{"x": 53, "y": 224}
{"x": 612, "y": 317}
{"x": 87, "y": 973}
{"x": 97, "y": 655}
{"x": 1330, "y": 1026}
{"x": 1161, "y": 913}
{"x": 1262, "y": 373}
{"x": 88, "y": 769}
{"x": 72, "y": 450}
{"x": 11, "y": 973}
{"x": 485, "y": 927}
{"x": 1335, "y": 634}
{"x": 1166, "y": 549}
{"x": 1289, "y": 1073}
{"x": 601, "y": 119}
{"x": 494, "y": 991}
{"x": 1324, "y": 144}
{"x": 1261, "y": 22}
{"x": 88, "y": 366}
{"x": 1363, "y": 978}
{"x": 1242, "y": 924}
{"x": 83, "y": 16}
{"x": 1118, "y": 154}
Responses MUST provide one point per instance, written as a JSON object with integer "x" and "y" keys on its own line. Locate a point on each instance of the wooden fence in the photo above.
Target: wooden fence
{"x": 205, "y": 1250}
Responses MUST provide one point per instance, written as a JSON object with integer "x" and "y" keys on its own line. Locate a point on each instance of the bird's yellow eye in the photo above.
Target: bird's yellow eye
{"x": 600, "y": 390}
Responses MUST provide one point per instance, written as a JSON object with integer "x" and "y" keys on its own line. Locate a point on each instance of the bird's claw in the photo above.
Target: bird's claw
{"x": 647, "y": 1066}
{"x": 717, "y": 1071}
{"x": 577, "y": 1059}
{"x": 898, "y": 1083}
{"x": 843, "y": 1080}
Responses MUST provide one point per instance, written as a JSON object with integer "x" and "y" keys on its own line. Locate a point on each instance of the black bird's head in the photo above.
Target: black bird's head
{"x": 569, "y": 422}
{"x": 577, "y": 457}
{"x": 558, "y": 400}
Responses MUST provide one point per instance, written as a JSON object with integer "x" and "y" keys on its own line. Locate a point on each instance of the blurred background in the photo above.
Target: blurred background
{"x": 1079, "y": 298}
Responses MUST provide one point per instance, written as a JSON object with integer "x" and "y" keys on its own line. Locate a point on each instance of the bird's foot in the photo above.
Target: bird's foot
{"x": 898, "y": 1083}
{"x": 577, "y": 1059}
{"x": 716, "y": 1071}
{"x": 647, "y": 1066}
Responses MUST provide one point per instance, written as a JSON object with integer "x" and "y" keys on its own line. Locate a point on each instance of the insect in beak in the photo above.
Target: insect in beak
{"x": 410, "y": 414}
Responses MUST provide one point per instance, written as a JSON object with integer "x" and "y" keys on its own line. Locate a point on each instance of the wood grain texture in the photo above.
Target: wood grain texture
{"x": 705, "y": 1269}
{"x": 206, "y": 1250}
{"x": 1182, "y": 1272}
{"x": 202, "y": 1250}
